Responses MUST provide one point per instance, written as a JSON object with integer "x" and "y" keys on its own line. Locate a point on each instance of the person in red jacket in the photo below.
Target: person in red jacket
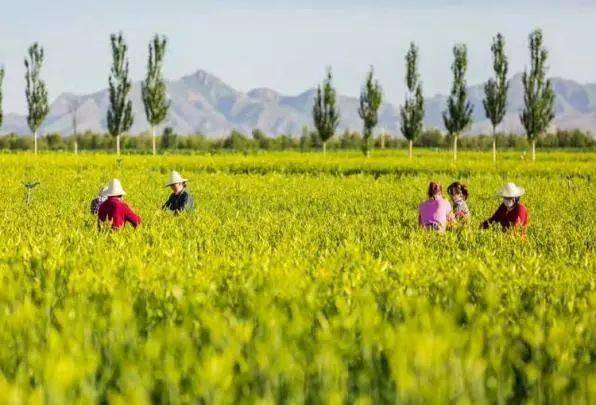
{"x": 115, "y": 211}
{"x": 511, "y": 213}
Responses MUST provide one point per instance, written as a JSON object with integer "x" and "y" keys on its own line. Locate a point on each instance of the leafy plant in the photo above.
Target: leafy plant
{"x": 301, "y": 278}
{"x": 371, "y": 97}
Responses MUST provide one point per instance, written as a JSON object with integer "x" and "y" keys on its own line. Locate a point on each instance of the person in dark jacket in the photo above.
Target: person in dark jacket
{"x": 511, "y": 214}
{"x": 180, "y": 199}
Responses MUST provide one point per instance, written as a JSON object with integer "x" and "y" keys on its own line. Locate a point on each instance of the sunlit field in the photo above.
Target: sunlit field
{"x": 298, "y": 278}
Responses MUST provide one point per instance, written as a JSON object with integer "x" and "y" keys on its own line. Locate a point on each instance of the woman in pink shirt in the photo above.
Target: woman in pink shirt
{"x": 435, "y": 212}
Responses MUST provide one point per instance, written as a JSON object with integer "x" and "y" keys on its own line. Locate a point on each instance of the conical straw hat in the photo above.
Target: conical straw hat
{"x": 510, "y": 190}
{"x": 174, "y": 178}
{"x": 114, "y": 188}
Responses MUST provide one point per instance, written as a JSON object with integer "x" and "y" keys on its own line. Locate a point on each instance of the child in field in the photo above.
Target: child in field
{"x": 459, "y": 195}
{"x": 97, "y": 201}
{"x": 114, "y": 210}
{"x": 180, "y": 199}
{"x": 436, "y": 212}
{"x": 511, "y": 214}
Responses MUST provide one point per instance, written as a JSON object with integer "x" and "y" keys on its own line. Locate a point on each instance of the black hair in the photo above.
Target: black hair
{"x": 458, "y": 188}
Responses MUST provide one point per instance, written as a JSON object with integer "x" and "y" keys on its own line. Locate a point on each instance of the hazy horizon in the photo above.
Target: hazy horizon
{"x": 286, "y": 47}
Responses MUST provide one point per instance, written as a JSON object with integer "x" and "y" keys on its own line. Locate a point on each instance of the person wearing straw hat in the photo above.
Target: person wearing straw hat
{"x": 511, "y": 213}
{"x": 180, "y": 199}
{"x": 114, "y": 210}
{"x": 97, "y": 201}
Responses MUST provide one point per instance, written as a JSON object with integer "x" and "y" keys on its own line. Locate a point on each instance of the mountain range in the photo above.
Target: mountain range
{"x": 202, "y": 103}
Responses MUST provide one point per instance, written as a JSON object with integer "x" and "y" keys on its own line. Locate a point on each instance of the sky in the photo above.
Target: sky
{"x": 286, "y": 45}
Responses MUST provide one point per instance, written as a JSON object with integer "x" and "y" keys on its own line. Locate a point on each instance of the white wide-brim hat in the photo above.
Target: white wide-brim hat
{"x": 510, "y": 190}
{"x": 175, "y": 178}
{"x": 114, "y": 188}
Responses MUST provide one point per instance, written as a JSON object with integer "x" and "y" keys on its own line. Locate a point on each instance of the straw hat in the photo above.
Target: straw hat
{"x": 510, "y": 190}
{"x": 114, "y": 188}
{"x": 174, "y": 178}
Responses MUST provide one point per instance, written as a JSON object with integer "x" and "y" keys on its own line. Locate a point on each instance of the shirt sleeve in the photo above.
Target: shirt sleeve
{"x": 131, "y": 217}
{"x": 522, "y": 216}
{"x": 494, "y": 218}
{"x": 168, "y": 203}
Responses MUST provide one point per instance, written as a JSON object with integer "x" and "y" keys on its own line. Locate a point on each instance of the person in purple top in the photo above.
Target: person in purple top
{"x": 436, "y": 212}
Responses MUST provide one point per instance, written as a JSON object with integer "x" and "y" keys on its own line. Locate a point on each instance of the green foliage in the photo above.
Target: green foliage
{"x": 237, "y": 141}
{"x": 495, "y": 90}
{"x": 169, "y": 139}
{"x": 458, "y": 115}
{"x": 298, "y": 279}
{"x": 325, "y": 113}
{"x": 1, "y": 84}
{"x": 371, "y": 98}
{"x": 412, "y": 113}
{"x": 36, "y": 91}
{"x": 539, "y": 96}
{"x": 120, "y": 117}
{"x": 154, "y": 88}
{"x": 262, "y": 140}
{"x": 348, "y": 140}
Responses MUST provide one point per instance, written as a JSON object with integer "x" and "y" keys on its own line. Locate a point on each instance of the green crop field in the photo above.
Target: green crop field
{"x": 298, "y": 278}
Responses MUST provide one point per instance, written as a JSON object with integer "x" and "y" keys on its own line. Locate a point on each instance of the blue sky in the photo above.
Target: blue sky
{"x": 285, "y": 45}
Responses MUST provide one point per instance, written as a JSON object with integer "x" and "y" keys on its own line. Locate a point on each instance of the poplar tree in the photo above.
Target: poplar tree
{"x": 1, "y": 81}
{"x": 154, "y": 88}
{"x": 36, "y": 91}
{"x": 458, "y": 115}
{"x": 371, "y": 97}
{"x": 120, "y": 117}
{"x": 412, "y": 113}
{"x": 539, "y": 97}
{"x": 325, "y": 113}
{"x": 73, "y": 108}
{"x": 495, "y": 90}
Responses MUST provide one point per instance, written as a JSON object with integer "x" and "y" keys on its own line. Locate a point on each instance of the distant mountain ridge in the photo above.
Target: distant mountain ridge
{"x": 202, "y": 103}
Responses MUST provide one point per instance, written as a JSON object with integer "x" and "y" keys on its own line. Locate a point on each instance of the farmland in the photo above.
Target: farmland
{"x": 298, "y": 278}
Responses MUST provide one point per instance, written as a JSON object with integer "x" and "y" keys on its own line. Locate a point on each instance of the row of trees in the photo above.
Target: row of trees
{"x": 307, "y": 141}
{"x": 119, "y": 115}
{"x": 537, "y": 115}
{"x": 539, "y": 98}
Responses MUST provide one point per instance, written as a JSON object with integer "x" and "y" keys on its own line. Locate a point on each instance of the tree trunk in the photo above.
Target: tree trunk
{"x": 118, "y": 145}
{"x": 533, "y": 150}
{"x": 410, "y": 149}
{"x": 494, "y": 145}
{"x": 154, "y": 146}
{"x": 383, "y": 140}
{"x": 325, "y": 148}
{"x": 76, "y": 147}
{"x": 35, "y": 142}
{"x": 455, "y": 147}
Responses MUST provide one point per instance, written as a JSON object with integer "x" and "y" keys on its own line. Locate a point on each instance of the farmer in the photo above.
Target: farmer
{"x": 435, "y": 213}
{"x": 114, "y": 210}
{"x": 180, "y": 199}
{"x": 97, "y": 201}
{"x": 459, "y": 195}
{"x": 511, "y": 213}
